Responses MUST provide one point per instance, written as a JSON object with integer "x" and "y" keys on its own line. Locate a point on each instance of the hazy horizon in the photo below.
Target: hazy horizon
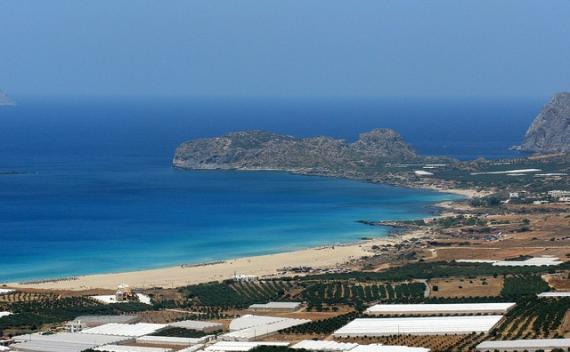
{"x": 285, "y": 49}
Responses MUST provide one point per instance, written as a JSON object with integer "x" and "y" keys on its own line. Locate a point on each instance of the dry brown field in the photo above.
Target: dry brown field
{"x": 456, "y": 287}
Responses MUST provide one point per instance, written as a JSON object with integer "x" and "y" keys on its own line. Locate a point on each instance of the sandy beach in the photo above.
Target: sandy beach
{"x": 263, "y": 265}
{"x": 324, "y": 257}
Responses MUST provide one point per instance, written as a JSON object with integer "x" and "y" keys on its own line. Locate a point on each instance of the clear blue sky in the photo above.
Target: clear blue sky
{"x": 285, "y": 48}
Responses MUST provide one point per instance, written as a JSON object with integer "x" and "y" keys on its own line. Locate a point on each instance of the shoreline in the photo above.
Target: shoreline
{"x": 324, "y": 257}
{"x": 328, "y": 257}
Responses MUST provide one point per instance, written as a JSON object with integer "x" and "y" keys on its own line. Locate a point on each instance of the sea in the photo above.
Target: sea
{"x": 87, "y": 186}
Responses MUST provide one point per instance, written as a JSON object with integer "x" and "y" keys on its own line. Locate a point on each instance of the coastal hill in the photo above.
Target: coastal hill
{"x": 266, "y": 150}
{"x": 550, "y": 131}
{"x": 4, "y": 100}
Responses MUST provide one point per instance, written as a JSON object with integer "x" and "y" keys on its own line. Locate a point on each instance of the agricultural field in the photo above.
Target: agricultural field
{"x": 230, "y": 294}
{"x": 317, "y": 294}
{"x": 534, "y": 318}
{"x": 30, "y": 315}
{"x": 523, "y": 285}
{"x": 323, "y": 326}
{"x": 25, "y": 297}
{"x": 559, "y": 281}
{"x": 483, "y": 286}
{"x": 358, "y": 293}
{"x": 180, "y": 332}
{"x": 435, "y": 269}
{"x": 456, "y": 343}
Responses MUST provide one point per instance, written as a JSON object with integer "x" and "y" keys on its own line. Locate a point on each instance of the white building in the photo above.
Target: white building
{"x": 418, "y": 326}
{"x": 320, "y": 345}
{"x": 126, "y": 348}
{"x": 388, "y": 348}
{"x": 276, "y": 306}
{"x": 192, "y": 348}
{"x": 554, "y": 294}
{"x": 116, "y": 298}
{"x": 251, "y": 320}
{"x": 244, "y": 277}
{"x": 204, "y": 326}
{"x": 62, "y": 342}
{"x": 262, "y": 330}
{"x": 171, "y": 340}
{"x": 226, "y": 346}
{"x": 333, "y": 346}
{"x": 130, "y": 330}
{"x": 422, "y": 173}
{"x": 447, "y": 309}
{"x": 529, "y": 345}
{"x": 558, "y": 193}
{"x": 537, "y": 261}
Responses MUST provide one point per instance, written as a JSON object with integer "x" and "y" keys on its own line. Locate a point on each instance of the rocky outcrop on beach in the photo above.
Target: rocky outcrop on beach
{"x": 550, "y": 131}
{"x": 261, "y": 150}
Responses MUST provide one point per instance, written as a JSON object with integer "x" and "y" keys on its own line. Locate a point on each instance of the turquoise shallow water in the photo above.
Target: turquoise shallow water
{"x": 84, "y": 216}
{"x": 97, "y": 193}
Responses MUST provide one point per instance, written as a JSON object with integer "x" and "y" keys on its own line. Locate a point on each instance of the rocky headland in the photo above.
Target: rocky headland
{"x": 550, "y": 131}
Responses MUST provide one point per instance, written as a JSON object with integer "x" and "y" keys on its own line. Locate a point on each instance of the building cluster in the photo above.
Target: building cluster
{"x": 125, "y": 333}
{"x": 546, "y": 260}
{"x": 123, "y": 294}
{"x": 537, "y": 198}
{"x": 116, "y": 337}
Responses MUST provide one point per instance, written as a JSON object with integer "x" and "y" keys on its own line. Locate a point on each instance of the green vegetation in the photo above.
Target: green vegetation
{"x": 323, "y": 326}
{"x": 460, "y": 220}
{"x": 430, "y": 270}
{"x": 521, "y": 285}
{"x": 31, "y": 315}
{"x": 487, "y": 202}
{"x": 468, "y": 174}
{"x": 355, "y": 293}
{"x": 180, "y": 332}
{"x": 533, "y": 318}
{"x": 236, "y": 294}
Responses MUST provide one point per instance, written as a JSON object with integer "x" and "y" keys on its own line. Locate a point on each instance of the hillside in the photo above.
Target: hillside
{"x": 550, "y": 131}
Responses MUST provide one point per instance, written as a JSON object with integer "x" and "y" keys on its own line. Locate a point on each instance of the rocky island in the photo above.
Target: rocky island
{"x": 4, "y": 100}
{"x": 550, "y": 131}
{"x": 260, "y": 150}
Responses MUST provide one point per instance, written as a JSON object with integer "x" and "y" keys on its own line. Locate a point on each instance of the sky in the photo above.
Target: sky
{"x": 285, "y": 48}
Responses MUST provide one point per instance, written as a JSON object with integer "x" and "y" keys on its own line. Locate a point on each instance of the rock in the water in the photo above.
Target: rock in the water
{"x": 266, "y": 150}
{"x": 550, "y": 131}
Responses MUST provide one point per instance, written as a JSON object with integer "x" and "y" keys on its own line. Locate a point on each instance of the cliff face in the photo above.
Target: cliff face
{"x": 266, "y": 150}
{"x": 550, "y": 131}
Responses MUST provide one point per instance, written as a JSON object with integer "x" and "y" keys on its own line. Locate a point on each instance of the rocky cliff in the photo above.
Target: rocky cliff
{"x": 550, "y": 131}
{"x": 266, "y": 150}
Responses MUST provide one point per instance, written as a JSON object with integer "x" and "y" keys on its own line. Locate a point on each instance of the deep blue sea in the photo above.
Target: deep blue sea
{"x": 95, "y": 191}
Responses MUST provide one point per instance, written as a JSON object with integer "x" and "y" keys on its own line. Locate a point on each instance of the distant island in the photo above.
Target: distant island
{"x": 550, "y": 131}
{"x": 4, "y": 100}
{"x": 261, "y": 150}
